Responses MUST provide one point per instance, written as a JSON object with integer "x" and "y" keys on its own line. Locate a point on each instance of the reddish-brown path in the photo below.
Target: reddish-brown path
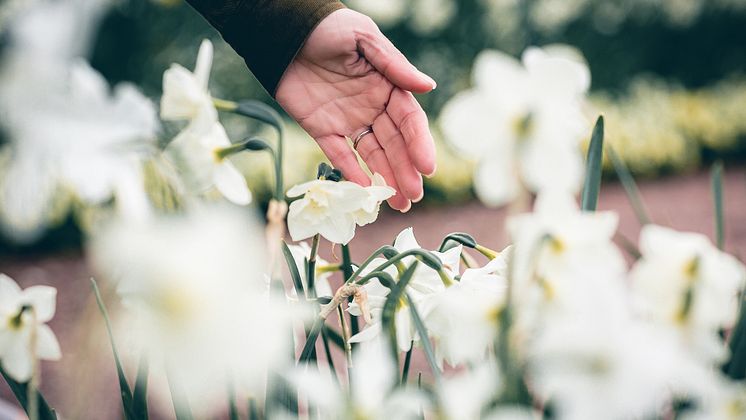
{"x": 83, "y": 384}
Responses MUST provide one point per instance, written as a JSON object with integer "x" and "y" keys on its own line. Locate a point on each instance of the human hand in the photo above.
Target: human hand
{"x": 349, "y": 77}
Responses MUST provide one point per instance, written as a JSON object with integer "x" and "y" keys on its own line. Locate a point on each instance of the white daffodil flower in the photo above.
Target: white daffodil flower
{"x": 558, "y": 246}
{"x": 24, "y": 335}
{"x": 465, "y": 394}
{"x": 599, "y": 363}
{"x": 333, "y": 209}
{"x": 197, "y": 301}
{"x": 522, "y": 122}
{"x": 464, "y": 317}
{"x": 373, "y": 393}
{"x": 79, "y": 139}
{"x": 422, "y": 288}
{"x": 378, "y": 192}
{"x": 301, "y": 253}
{"x": 185, "y": 94}
{"x": 684, "y": 281}
{"x": 196, "y": 152}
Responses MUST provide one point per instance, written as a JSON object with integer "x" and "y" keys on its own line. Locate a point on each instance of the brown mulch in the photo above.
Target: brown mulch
{"x": 83, "y": 385}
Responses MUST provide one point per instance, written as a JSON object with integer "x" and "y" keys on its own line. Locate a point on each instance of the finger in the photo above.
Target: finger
{"x": 412, "y": 123}
{"x": 392, "y": 142}
{"x": 389, "y": 61}
{"x": 374, "y": 156}
{"x": 343, "y": 158}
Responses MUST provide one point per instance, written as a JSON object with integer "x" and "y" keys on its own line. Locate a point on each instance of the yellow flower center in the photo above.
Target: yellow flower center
{"x": 523, "y": 126}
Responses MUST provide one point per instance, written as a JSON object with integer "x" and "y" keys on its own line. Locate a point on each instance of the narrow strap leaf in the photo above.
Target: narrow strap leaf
{"x": 309, "y": 349}
{"x": 407, "y": 362}
{"x": 124, "y": 387}
{"x": 594, "y": 167}
{"x": 424, "y": 339}
{"x": 630, "y": 186}
{"x": 395, "y": 296}
{"x": 294, "y": 272}
{"x": 20, "y": 391}
{"x": 717, "y": 198}
{"x": 140, "y": 393}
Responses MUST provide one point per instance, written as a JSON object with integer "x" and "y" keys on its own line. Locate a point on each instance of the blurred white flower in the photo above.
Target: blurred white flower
{"x": 78, "y": 138}
{"x": 725, "y": 400}
{"x": 429, "y": 16}
{"x": 333, "y": 209}
{"x": 373, "y": 393}
{"x": 24, "y": 335}
{"x": 196, "y": 152}
{"x": 684, "y": 281}
{"x": 66, "y": 131}
{"x": 598, "y": 363}
{"x": 385, "y": 12}
{"x": 522, "y": 122}
{"x": 185, "y": 94}
{"x": 422, "y": 288}
{"x": 378, "y": 192}
{"x": 197, "y": 300}
{"x": 464, "y": 318}
{"x": 557, "y": 246}
{"x": 301, "y": 253}
{"x": 465, "y": 395}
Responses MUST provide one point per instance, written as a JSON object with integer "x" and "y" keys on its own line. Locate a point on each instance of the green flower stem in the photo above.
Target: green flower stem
{"x": 346, "y": 338}
{"x": 311, "y": 271}
{"x": 346, "y": 273}
{"x": 33, "y": 385}
{"x": 426, "y": 257}
{"x": 367, "y": 262}
{"x": 489, "y": 253}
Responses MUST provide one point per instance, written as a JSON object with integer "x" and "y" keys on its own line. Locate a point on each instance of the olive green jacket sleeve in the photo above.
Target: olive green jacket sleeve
{"x": 266, "y": 33}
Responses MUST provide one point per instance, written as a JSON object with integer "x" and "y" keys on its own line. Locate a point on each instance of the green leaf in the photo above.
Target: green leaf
{"x": 347, "y": 273}
{"x": 424, "y": 338}
{"x": 20, "y": 391}
{"x": 630, "y": 186}
{"x": 407, "y": 362}
{"x": 392, "y": 303}
{"x": 126, "y": 392}
{"x": 594, "y": 167}
{"x": 736, "y": 366}
{"x": 309, "y": 349}
{"x": 294, "y": 272}
{"x": 140, "y": 393}
{"x": 456, "y": 238}
{"x": 334, "y": 336}
{"x": 717, "y": 197}
{"x": 232, "y": 407}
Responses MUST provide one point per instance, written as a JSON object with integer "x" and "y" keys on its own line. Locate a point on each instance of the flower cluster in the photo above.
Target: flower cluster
{"x": 560, "y": 323}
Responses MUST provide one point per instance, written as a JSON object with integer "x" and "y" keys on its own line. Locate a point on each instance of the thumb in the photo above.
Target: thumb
{"x": 390, "y": 62}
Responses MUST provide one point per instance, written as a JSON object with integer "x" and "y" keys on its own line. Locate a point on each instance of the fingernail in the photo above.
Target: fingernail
{"x": 432, "y": 174}
{"x": 430, "y": 80}
{"x": 407, "y": 208}
{"x": 419, "y": 197}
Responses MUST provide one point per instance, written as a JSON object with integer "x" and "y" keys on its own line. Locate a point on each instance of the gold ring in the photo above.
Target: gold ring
{"x": 360, "y": 136}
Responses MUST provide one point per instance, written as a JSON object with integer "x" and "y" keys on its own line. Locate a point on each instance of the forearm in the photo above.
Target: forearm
{"x": 266, "y": 33}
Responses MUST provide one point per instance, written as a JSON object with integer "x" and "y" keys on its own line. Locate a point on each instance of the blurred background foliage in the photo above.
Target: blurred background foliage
{"x": 668, "y": 74}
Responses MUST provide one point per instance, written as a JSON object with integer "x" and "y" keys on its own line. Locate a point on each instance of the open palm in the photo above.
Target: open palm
{"x": 349, "y": 77}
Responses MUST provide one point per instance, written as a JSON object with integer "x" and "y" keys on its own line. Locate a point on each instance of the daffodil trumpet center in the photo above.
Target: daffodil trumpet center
{"x": 15, "y": 322}
{"x": 523, "y": 126}
{"x": 691, "y": 270}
